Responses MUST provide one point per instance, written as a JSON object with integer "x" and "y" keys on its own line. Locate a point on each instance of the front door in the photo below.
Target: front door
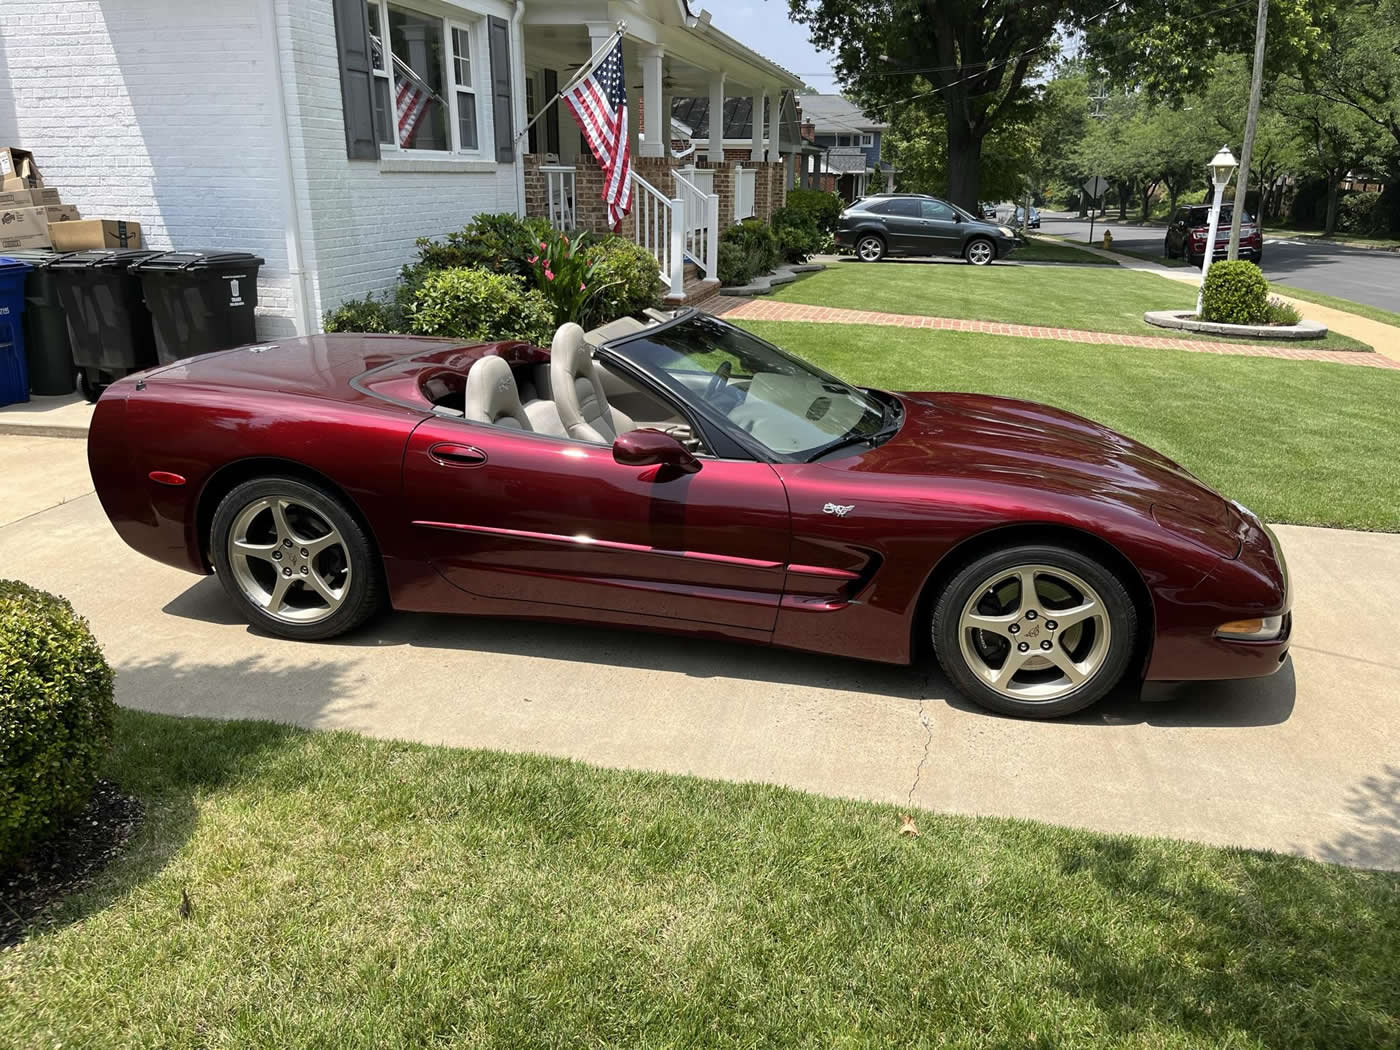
{"x": 528, "y": 517}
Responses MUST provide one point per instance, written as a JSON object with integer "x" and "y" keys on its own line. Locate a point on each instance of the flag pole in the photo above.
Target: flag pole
{"x": 584, "y": 70}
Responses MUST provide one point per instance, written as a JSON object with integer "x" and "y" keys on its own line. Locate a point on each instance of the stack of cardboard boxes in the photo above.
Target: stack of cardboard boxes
{"x": 33, "y": 216}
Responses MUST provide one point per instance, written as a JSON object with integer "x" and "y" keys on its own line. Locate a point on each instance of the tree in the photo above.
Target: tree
{"x": 1360, "y": 67}
{"x": 966, "y": 64}
{"x": 1332, "y": 136}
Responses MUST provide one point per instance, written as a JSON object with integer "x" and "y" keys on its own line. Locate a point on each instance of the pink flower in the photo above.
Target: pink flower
{"x": 566, "y": 240}
{"x": 548, "y": 274}
{"x": 534, "y": 259}
{"x": 581, "y": 286}
{"x": 542, "y": 247}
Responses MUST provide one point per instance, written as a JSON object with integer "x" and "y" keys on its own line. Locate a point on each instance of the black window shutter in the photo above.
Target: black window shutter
{"x": 498, "y": 35}
{"x": 551, "y": 119}
{"x": 356, "y": 78}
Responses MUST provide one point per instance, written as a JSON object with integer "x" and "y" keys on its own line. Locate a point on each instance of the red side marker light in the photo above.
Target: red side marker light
{"x": 164, "y": 477}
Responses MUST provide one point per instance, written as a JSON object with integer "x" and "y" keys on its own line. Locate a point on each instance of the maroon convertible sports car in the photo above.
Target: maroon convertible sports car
{"x": 688, "y": 476}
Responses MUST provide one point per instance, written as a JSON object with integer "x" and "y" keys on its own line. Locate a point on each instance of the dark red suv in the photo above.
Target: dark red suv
{"x": 1190, "y": 226}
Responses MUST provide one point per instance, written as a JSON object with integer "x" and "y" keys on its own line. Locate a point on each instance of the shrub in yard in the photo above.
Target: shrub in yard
{"x": 1361, "y": 213}
{"x": 56, "y": 714}
{"x": 1279, "y": 312}
{"x": 563, "y": 273}
{"x": 757, "y": 247}
{"x": 500, "y": 243}
{"x": 626, "y": 277}
{"x": 797, "y": 233}
{"x": 479, "y": 306}
{"x": 821, "y": 207}
{"x": 1235, "y": 293}
{"x": 365, "y": 315}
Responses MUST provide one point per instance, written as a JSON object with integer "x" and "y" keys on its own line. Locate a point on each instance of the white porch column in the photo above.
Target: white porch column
{"x": 715, "y": 151}
{"x": 760, "y": 98}
{"x": 656, "y": 121}
{"x": 889, "y": 181}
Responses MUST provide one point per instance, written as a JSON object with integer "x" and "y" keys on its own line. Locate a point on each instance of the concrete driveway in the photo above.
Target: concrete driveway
{"x": 1307, "y": 761}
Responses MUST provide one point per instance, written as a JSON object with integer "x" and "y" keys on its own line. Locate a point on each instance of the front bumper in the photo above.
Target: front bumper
{"x": 1256, "y": 583}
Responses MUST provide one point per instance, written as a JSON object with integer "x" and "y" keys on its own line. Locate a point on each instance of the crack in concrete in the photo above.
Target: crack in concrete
{"x": 928, "y": 743}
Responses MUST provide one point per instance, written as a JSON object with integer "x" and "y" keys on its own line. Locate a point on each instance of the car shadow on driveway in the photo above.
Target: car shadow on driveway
{"x": 1249, "y": 702}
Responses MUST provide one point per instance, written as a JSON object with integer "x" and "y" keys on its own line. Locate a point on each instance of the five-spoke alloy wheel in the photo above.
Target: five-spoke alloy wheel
{"x": 294, "y": 559}
{"x": 980, "y": 252}
{"x": 870, "y": 248}
{"x": 1035, "y": 631}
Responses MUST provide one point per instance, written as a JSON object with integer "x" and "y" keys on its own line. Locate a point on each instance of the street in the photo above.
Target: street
{"x": 1359, "y": 274}
{"x": 1304, "y": 761}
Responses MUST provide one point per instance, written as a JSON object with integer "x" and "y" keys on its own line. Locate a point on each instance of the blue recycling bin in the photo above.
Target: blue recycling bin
{"x": 14, "y": 373}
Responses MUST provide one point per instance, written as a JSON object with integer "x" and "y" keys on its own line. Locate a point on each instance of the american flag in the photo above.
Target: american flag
{"x": 599, "y": 104}
{"x": 411, "y": 95}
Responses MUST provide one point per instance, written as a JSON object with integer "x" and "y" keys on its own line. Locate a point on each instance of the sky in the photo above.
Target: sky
{"x": 764, "y": 26}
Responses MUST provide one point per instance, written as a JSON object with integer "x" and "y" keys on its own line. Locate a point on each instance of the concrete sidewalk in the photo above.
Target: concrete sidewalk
{"x": 1307, "y": 761}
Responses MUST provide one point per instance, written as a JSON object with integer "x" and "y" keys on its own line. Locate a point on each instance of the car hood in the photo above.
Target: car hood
{"x": 982, "y": 439}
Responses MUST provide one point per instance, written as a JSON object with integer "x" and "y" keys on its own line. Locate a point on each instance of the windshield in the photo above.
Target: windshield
{"x": 789, "y": 407}
{"x": 1201, "y": 216}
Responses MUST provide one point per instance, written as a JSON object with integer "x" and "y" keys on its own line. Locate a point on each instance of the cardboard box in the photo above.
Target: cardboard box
{"x": 28, "y": 198}
{"x": 18, "y": 170}
{"x": 61, "y": 213}
{"x": 23, "y": 228}
{"x": 95, "y": 233}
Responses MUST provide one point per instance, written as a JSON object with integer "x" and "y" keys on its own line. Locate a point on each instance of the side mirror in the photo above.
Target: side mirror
{"x": 644, "y": 448}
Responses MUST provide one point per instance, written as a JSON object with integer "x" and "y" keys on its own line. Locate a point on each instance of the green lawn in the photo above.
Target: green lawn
{"x": 1299, "y": 442}
{"x": 1040, "y": 249}
{"x": 1375, "y": 313}
{"x": 354, "y": 893}
{"x": 1100, "y": 300}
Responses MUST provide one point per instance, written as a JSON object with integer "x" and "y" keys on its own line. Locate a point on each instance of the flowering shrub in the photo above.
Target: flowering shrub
{"x": 563, "y": 271}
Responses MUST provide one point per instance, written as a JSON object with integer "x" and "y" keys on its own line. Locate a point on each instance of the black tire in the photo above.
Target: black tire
{"x": 980, "y": 251}
{"x": 364, "y": 590}
{"x": 1122, "y": 633}
{"x": 871, "y": 245}
{"x": 1167, "y": 248}
{"x": 91, "y": 391}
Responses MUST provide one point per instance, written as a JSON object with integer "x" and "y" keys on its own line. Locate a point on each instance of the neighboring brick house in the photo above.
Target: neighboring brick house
{"x": 267, "y": 126}
{"x": 850, "y": 141}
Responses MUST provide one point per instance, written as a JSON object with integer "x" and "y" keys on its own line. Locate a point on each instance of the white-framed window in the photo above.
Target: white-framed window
{"x": 428, "y": 75}
{"x": 867, "y": 140}
{"x": 843, "y": 140}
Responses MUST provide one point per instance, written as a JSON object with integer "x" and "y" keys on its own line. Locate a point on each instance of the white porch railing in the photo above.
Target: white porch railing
{"x": 701, "y": 219}
{"x": 703, "y": 178}
{"x": 744, "y": 179}
{"x": 659, "y": 227}
{"x": 560, "y": 195}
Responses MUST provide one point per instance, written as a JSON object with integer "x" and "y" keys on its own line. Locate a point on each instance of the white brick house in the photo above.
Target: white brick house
{"x": 253, "y": 126}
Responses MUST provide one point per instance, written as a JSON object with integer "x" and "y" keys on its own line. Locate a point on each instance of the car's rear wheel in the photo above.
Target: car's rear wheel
{"x": 870, "y": 248}
{"x": 980, "y": 251}
{"x": 294, "y": 559}
{"x": 1035, "y": 631}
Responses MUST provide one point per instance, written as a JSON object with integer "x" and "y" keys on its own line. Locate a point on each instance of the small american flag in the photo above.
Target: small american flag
{"x": 411, "y": 95}
{"x": 599, "y": 104}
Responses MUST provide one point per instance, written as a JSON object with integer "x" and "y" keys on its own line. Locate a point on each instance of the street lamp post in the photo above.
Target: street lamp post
{"x": 1221, "y": 167}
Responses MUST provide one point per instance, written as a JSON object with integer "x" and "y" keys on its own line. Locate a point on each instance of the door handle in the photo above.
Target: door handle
{"x": 452, "y": 455}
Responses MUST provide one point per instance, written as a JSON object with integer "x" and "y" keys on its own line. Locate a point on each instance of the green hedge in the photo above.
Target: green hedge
{"x": 1235, "y": 293}
{"x": 627, "y": 277}
{"x": 799, "y": 237}
{"x": 500, "y": 243}
{"x": 821, "y": 207}
{"x": 56, "y": 713}
{"x": 745, "y": 251}
{"x": 478, "y": 306}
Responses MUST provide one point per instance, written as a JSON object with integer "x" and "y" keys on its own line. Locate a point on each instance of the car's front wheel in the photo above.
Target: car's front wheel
{"x": 294, "y": 559}
{"x": 1035, "y": 631}
{"x": 980, "y": 251}
{"x": 870, "y": 248}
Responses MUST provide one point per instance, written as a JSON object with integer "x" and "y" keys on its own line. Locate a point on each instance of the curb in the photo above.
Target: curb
{"x": 50, "y": 430}
{"x": 1182, "y": 320}
{"x": 764, "y": 285}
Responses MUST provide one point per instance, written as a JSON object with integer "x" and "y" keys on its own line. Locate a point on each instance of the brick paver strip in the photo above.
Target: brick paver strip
{"x": 775, "y": 310}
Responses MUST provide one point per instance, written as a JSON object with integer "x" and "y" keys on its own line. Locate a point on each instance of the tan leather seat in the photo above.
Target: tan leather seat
{"x": 491, "y": 396}
{"x": 578, "y": 391}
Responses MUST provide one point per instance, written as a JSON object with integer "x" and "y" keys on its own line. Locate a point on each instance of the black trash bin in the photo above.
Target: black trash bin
{"x": 109, "y": 326}
{"x": 200, "y": 301}
{"x": 46, "y": 345}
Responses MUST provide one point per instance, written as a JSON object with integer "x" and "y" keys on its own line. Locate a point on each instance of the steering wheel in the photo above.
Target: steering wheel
{"x": 719, "y": 380}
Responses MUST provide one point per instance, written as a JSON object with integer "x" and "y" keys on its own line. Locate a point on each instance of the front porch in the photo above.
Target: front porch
{"x": 679, "y": 202}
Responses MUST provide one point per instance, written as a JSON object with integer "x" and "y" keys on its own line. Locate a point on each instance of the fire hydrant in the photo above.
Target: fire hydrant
{"x": 1108, "y": 238}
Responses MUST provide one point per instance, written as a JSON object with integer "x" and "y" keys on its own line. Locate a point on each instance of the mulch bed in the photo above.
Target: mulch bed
{"x": 62, "y": 864}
